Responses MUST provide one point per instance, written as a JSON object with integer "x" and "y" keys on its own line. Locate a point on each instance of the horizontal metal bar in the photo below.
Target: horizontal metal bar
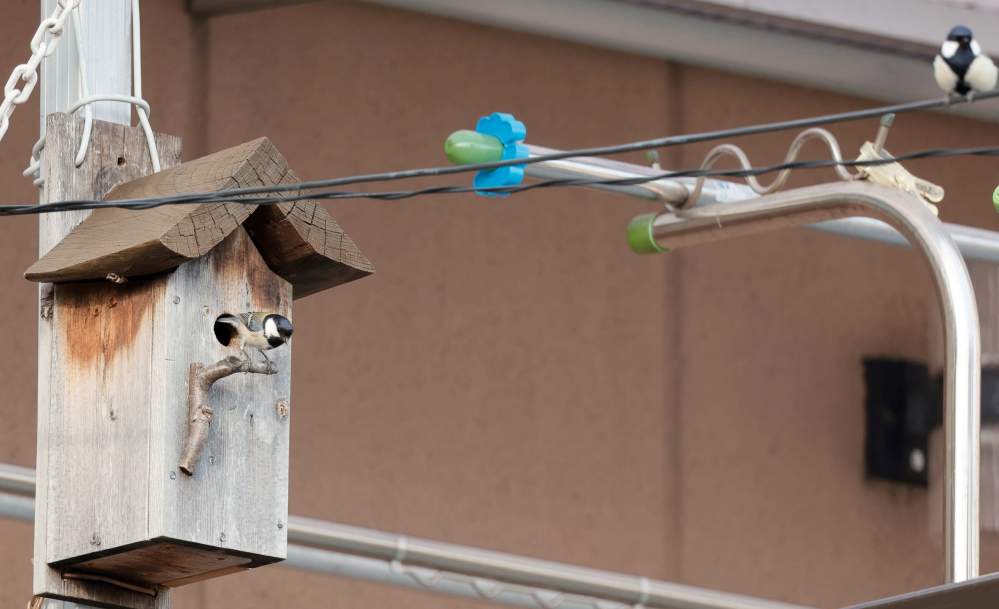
{"x": 973, "y": 594}
{"x": 673, "y": 190}
{"x": 17, "y": 479}
{"x": 514, "y": 569}
{"x": 17, "y": 507}
{"x": 479, "y": 588}
{"x": 974, "y": 243}
{"x": 445, "y": 568}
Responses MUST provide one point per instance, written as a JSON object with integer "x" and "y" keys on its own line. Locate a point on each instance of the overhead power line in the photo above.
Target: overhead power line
{"x": 220, "y": 197}
{"x": 246, "y": 195}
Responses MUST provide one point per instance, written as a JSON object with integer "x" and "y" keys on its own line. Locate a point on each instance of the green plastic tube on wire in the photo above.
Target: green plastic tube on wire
{"x": 469, "y": 147}
{"x": 640, "y": 235}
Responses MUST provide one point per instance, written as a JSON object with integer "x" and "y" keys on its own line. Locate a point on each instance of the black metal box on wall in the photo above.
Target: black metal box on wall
{"x": 903, "y": 405}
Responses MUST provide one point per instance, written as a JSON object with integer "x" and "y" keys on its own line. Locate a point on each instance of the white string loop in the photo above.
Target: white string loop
{"x": 43, "y": 44}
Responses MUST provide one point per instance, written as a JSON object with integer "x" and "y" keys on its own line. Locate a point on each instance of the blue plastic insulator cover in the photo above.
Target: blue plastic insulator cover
{"x": 510, "y": 132}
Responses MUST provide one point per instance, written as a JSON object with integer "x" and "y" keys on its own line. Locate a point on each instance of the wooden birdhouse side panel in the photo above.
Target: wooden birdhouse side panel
{"x": 237, "y": 499}
{"x": 99, "y": 417}
{"x": 117, "y": 154}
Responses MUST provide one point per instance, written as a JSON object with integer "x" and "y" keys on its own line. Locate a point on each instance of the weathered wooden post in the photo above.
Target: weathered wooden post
{"x": 129, "y": 333}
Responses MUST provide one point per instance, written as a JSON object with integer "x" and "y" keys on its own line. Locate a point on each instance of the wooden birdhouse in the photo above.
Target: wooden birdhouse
{"x": 149, "y": 475}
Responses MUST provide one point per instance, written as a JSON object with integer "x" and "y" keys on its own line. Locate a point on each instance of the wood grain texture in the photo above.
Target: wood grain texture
{"x": 199, "y": 413}
{"x": 99, "y": 416}
{"x": 99, "y": 173}
{"x": 118, "y": 421}
{"x": 301, "y": 242}
{"x": 239, "y": 493}
{"x": 133, "y": 243}
{"x": 164, "y": 563}
{"x": 117, "y": 154}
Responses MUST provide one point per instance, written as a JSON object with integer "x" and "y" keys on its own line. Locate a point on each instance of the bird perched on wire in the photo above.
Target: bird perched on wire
{"x": 261, "y": 330}
{"x": 961, "y": 67}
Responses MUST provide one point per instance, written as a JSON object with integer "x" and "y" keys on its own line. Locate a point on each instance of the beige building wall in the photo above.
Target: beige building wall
{"x": 513, "y": 377}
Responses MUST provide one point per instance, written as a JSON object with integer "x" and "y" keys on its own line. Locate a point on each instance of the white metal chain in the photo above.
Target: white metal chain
{"x": 43, "y": 47}
{"x": 43, "y": 44}
{"x": 141, "y": 106}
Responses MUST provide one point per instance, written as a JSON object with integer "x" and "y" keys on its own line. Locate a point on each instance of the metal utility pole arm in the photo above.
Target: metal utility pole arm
{"x": 957, "y": 302}
{"x": 973, "y": 242}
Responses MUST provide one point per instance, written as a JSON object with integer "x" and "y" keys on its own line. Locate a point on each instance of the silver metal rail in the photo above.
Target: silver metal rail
{"x": 17, "y": 507}
{"x": 17, "y": 479}
{"x": 976, "y": 593}
{"x": 452, "y": 569}
{"x": 433, "y": 560}
{"x": 957, "y": 301}
{"x": 673, "y": 191}
{"x": 972, "y": 242}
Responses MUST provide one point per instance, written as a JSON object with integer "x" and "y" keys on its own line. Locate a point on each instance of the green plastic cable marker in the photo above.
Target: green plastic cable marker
{"x": 468, "y": 147}
{"x": 640, "y": 235}
{"x": 995, "y": 198}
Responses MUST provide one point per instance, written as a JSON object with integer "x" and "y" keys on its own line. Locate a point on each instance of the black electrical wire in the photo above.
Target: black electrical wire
{"x": 675, "y": 140}
{"x": 686, "y": 173}
{"x": 15, "y": 210}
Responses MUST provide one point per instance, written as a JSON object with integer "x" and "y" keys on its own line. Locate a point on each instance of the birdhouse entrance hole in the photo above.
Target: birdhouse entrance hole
{"x": 224, "y": 333}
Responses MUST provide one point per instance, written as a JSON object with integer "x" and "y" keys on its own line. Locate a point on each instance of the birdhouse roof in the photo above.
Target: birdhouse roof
{"x": 300, "y": 241}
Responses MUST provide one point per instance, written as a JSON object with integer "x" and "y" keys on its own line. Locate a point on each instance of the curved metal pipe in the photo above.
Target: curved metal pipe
{"x": 815, "y": 133}
{"x": 957, "y": 302}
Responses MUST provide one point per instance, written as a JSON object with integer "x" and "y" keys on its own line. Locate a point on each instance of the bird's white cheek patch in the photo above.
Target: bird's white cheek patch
{"x": 948, "y": 49}
{"x": 270, "y": 328}
{"x": 976, "y": 48}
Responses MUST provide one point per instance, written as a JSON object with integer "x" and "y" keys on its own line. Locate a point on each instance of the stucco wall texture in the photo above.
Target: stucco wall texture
{"x": 513, "y": 377}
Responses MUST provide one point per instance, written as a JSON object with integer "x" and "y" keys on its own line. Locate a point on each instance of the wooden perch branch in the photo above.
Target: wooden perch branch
{"x": 200, "y": 415}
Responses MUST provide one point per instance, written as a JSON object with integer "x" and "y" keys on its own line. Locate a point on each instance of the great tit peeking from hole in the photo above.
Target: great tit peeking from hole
{"x": 261, "y": 330}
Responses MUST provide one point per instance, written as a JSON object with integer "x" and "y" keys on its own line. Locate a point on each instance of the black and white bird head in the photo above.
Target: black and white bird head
{"x": 960, "y": 35}
{"x": 961, "y": 68}
{"x": 260, "y": 330}
{"x": 277, "y": 330}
